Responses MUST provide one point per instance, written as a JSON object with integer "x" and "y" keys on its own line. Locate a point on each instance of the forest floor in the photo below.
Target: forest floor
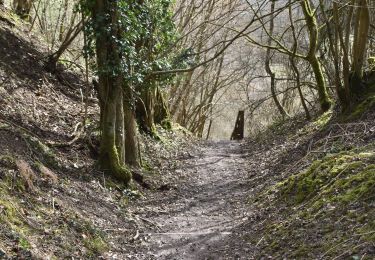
{"x": 226, "y": 203}
{"x": 292, "y": 192}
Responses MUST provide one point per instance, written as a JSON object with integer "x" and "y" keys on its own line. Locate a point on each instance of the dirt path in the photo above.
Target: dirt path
{"x": 203, "y": 209}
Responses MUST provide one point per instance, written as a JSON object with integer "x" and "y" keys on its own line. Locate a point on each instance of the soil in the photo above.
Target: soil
{"x": 202, "y": 209}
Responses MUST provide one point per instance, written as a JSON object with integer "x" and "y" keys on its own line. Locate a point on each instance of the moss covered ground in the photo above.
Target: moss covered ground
{"x": 323, "y": 205}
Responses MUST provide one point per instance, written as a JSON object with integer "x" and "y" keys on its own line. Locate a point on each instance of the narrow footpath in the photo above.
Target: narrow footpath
{"x": 203, "y": 209}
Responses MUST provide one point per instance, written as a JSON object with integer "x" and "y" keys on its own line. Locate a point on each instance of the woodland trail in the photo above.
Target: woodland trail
{"x": 204, "y": 209}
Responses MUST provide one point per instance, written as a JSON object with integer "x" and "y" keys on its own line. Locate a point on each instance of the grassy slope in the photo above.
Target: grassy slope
{"x": 322, "y": 204}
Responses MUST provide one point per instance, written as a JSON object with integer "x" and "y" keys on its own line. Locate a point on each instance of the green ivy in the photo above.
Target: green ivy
{"x": 147, "y": 32}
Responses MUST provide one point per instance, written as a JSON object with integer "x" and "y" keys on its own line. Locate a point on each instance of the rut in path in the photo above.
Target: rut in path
{"x": 204, "y": 209}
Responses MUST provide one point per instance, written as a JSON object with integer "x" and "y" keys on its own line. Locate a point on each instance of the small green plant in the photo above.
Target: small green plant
{"x": 95, "y": 244}
{"x": 23, "y": 243}
{"x": 131, "y": 193}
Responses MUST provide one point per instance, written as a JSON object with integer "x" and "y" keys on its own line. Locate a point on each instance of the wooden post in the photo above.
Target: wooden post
{"x": 238, "y": 132}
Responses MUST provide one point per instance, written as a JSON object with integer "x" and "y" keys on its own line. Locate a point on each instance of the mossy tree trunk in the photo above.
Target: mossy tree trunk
{"x": 146, "y": 109}
{"x": 110, "y": 88}
{"x": 324, "y": 100}
{"x": 23, "y": 8}
{"x": 120, "y": 127}
{"x": 110, "y": 149}
{"x": 311, "y": 57}
{"x": 162, "y": 115}
{"x": 131, "y": 151}
{"x": 361, "y": 30}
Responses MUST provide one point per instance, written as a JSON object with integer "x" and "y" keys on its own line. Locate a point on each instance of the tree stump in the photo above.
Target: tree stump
{"x": 238, "y": 132}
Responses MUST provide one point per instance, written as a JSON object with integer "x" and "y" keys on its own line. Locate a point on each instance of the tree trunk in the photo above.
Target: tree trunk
{"x": 51, "y": 64}
{"x": 109, "y": 87}
{"x": 120, "y": 128}
{"x": 238, "y": 131}
{"x": 361, "y": 30}
{"x": 209, "y": 128}
{"x": 298, "y": 83}
{"x": 279, "y": 106}
{"x": 131, "y": 151}
{"x": 146, "y": 110}
{"x": 109, "y": 155}
{"x": 344, "y": 42}
{"x": 324, "y": 100}
{"x": 162, "y": 116}
{"x": 333, "y": 38}
{"x": 63, "y": 21}
{"x": 185, "y": 88}
{"x": 294, "y": 66}
{"x": 23, "y": 8}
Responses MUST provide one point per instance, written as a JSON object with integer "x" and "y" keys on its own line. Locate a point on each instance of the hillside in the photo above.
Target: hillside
{"x": 53, "y": 200}
{"x": 299, "y": 190}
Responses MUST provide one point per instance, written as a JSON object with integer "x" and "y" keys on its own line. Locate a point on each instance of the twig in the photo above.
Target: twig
{"x": 7, "y": 21}
{"x": 355, "y": 235}
{"x": 136, "y": 236}
{"x": 325, "y": 144}
{"x": 259, "y": 242}
{"x": 115, "y": 230}
{"x": 309, "y": 147}
{"x": 339, "y": 244}
{"x": 150, "y": 222}
{"x": 18, "y": 126}
{"x": 347, "y": 251}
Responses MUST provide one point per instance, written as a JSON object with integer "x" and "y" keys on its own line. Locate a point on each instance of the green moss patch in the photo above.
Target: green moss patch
{"x": 318, "y": 124}
{"x": 95, "y": 244}
{"x": 167, "y": 124}
{"x": 318, "y": 207}
{"x": 361, "y": 108}
{"x": 8, "y": 212}
{"x": 343, "y": 177}
{"x": 11, "y": 216}
{"x": 26, "y": 223}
